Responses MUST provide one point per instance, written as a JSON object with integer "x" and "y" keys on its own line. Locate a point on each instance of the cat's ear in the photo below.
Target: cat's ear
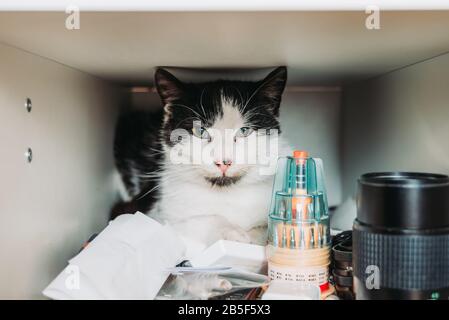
{"x": 168, "y": 86}
{"x": 272, "y": 88}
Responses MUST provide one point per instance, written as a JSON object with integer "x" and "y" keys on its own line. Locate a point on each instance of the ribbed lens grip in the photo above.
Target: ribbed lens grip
{"x": 407, "y": 262}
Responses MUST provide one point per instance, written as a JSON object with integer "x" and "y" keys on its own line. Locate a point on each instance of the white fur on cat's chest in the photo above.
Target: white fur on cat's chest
{"x": 242, "y": 204}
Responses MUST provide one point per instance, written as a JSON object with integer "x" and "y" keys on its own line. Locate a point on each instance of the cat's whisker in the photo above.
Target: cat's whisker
{"x": 157, "y": 150}
{"x": 252, "y": 115}
{"x": 252, "y": 95}
{"x": 240, "y": 94}
{"x": 196, "y": 113}
{"x": 201, "y": 102}
{"x": 163, "y": 178}
{"x": 147, "y": 193}
{"x": 262, "y": 106}
{"x": 183, "y": 120}
{"x": 153, "y": 171}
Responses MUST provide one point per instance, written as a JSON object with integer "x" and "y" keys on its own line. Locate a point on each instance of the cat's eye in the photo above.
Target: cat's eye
{"x": 201, "y": 132}
{"x": 243, "y": 132}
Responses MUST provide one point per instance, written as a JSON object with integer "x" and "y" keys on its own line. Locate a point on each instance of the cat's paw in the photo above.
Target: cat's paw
{"x": 236, "y": 234}
{"x": 258, "y": 235}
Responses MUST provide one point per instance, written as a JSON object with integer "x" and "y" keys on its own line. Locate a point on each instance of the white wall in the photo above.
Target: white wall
{"x": 310, "y": 120}
{"x": 49, "y": 207}
{"x": 399, "y": 121}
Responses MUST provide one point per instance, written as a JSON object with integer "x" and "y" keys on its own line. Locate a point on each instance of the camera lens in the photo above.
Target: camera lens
{"x": 401, "y": 236}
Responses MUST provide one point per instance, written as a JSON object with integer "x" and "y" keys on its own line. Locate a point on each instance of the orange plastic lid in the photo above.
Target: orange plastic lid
{"x": 300, "y": 154}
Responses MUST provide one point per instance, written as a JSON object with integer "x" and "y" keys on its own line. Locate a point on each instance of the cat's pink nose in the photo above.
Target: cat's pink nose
{"x": 223, "y": 165}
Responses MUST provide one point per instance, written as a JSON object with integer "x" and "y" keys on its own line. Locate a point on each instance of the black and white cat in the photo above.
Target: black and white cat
{"x": 218, "y": 197}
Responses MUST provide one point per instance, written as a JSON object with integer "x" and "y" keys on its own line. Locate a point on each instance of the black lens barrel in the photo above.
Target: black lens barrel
{"x": 402, "y": 233}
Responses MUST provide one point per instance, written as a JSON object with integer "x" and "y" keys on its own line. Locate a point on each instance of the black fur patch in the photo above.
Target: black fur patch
{"x": 223, "y": 181}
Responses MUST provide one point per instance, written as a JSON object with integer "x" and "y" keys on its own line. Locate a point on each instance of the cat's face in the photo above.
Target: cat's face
{"x": 223, "y": 131}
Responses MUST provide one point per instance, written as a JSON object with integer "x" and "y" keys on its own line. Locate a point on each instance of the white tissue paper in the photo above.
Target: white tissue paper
{"x": 127, "y": 260}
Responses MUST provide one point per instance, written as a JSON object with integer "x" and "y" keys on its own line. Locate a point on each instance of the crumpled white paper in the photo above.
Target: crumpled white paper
{"x": 127, "y": 260}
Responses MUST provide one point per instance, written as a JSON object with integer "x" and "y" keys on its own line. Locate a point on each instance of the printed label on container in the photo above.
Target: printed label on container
{"x": 316, "y": 275}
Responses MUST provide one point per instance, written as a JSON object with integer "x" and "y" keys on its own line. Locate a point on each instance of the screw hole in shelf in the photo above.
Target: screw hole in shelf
{"x": 29, "y": 155}
{"x": 28, "y": 104}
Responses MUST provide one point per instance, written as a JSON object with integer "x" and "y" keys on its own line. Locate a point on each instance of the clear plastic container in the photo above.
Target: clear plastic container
{"x": 298, "y": 224}
{"x": 299, "y": 217}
